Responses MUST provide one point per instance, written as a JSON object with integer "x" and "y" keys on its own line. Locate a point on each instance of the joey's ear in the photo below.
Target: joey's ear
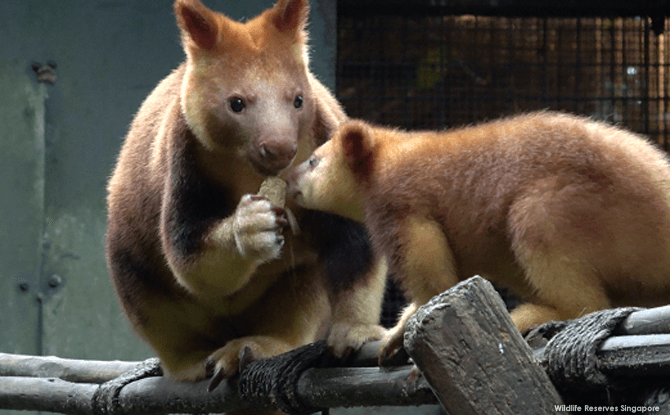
{"x": 357, "y": 140}
{"x": 197, "y": 23}
{"x": 290, "y": 16}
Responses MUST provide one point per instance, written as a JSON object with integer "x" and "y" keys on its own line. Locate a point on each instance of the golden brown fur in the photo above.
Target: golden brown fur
{"x": 573, "y": 215}
{"x": 203, "y": 267}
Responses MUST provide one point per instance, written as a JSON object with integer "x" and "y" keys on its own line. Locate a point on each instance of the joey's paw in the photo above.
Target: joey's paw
{"x": 229, "y": 360}
{"x": 391, "y": 344}
{"x": 415, "y": 375}
{"x": 257, "y": 228}
{"x": 346, "y": 338}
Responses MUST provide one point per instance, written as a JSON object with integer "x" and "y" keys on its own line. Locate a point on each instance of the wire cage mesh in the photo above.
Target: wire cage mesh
{"x": 434, "y": 72}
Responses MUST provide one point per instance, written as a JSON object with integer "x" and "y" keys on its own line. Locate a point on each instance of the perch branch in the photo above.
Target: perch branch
{"x": 480, "y": 364}
{"x": 324, "y": 388}
{"x": 641, "y": 346}
{"x": 71, "y": 370}
{"x": 99, "y": 371}
{"x": 68, "y": 385}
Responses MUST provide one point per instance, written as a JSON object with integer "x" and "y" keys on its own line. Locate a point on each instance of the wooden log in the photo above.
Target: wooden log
{"x": 46, "y": 394}
{"x": 474, "y": 358}
{"x": 374, "y": 386}
{"x": 158, "y": 395}
{"x": 631, "y": 356}
{"x": 155, "y": 395}
{"x": 71, "y": 370}
{"x": 641, "y": 356}
{"x": 330, "y": 387}
{"x": 98, "y": 371}
{"x": 649, "y": 321}
{"x": 639, "y": 348}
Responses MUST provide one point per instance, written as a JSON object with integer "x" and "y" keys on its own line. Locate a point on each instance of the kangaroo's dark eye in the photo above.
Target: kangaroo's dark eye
{"x": 313, "y": 161}
{"x": 298, "y": 101}
{"x": 236, "y": 104}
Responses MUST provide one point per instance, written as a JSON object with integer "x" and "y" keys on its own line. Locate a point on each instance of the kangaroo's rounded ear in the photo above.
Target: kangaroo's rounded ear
{"x": 197, "y": 23}
{"x": 359, "y": 147}
{"x": 290, "y": 16}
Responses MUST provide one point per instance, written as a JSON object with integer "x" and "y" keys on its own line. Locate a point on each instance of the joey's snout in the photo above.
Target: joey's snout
{"x": 292, "y": 178}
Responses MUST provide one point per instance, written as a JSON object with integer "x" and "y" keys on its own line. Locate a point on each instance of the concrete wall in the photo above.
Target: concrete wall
{"x": 58, "y": 146}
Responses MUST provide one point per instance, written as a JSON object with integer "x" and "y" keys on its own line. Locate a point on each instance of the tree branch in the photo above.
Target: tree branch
{"x": 68, "y": 385}
{"x": 71, "y": 370}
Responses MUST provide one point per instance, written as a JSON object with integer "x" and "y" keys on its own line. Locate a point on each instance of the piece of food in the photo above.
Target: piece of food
{"x": 274, "y": 189}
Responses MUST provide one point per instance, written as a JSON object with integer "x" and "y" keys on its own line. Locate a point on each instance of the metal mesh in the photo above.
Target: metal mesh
{"x": 432, "y": 72}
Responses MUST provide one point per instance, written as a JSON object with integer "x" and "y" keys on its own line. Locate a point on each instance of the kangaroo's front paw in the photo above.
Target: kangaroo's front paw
{"x": 257, "y": 227}
{"x": 229, "y": 360}
{"x": 347, "y": 337}
{"x": 237, "y": 354}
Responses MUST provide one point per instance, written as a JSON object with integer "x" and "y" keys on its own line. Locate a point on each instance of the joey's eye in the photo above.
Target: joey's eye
{"x": 298, "y": 101}
{"x": 313, "y": 161}
{"x": 236, "y": 104}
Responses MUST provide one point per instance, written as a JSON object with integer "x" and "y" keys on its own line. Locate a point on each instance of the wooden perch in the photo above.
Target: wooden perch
{"x": 639, "y": 348}
{"x": 343, "y": 387}
{"x": 635, "y": 356}
{"x": 71, "y": 370}
{"x": 649, "y": 321}
{"x": 474, "y": 358}
{"x": 464, "y": 342}
{"x": 99, "y": 371}
{"x": 68, "y": 385}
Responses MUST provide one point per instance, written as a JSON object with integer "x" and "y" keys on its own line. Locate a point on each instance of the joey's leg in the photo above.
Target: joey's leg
{"x": 393, "y": 340}
{"x": 426, "y": 269}
{"x": 561, "y": 295}
{"x": 559, "y": 242}
{"x": 564, "y": 289}
{"x": 528, "y": 315}
{"x": 356, "y": 312}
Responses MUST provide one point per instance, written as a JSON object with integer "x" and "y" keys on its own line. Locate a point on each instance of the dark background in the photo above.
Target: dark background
{"x": 433, "y": 64}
